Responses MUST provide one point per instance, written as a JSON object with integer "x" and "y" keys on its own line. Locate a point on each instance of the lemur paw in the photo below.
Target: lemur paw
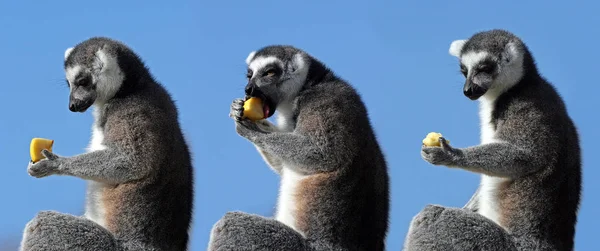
{"x": 444, "y": 155}
{"x": 244, "y": 127}
{"x": 236, "y": 111}
{"x": 44, "y": 167}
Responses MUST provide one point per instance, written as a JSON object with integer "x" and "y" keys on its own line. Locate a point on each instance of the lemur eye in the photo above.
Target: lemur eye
{"x": 84, "y": 81}
{"x": 463, "y": 70}
{"x": 486, "y": 68}
{"x": 269, "y": 73}
{"x": 249, "y": 74}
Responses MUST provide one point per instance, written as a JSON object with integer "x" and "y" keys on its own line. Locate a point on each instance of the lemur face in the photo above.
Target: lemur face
{"x": 275, "y": 74}
{"x": 92, "y": 74}
{"x": 480, "y": 70}
{"x": 490, "y": 61}
{"x": 82, "y": 89}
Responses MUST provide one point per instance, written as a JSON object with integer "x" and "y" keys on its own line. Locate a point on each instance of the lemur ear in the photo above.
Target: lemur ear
{"x": 456, "y": 46}
{"x": 250, "y": 57}
{"x": 298, "y": 63}
{"x": 510, "y": 52}
{"x": 68, "y": 52}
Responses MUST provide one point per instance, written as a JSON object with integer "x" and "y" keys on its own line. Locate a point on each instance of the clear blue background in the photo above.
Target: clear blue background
{"x": 395, "y": 54}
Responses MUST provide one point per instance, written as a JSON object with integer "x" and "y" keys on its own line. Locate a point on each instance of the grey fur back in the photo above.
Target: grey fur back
{"x": 158, "y": 207}
{"x": 533, "y": 114}
{"x": 351, "y": 206}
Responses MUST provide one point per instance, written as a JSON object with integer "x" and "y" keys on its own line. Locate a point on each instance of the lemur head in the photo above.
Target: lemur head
{"x": 491, "y": 61}
{"x": 277, "y": 73}
{"x": 96, "y": 70}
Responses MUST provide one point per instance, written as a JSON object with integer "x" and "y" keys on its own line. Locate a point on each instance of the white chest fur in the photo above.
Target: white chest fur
{"x": 286, "y": 203}
{"x": 290, "y": 179}
{"x": 488, "y": 202}
{"x": 285, "y": 117}
{"x": 94, "y": 208}
{"x": 97, "y": 141}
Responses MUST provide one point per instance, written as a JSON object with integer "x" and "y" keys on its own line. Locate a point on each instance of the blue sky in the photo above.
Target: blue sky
{"x": 395, "y": 54}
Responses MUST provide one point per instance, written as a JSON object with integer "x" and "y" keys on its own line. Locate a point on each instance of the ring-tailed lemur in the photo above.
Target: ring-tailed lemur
{"x": 334, "y": 181}
{"x": 529, "y": 158}
{"x": 140, "y": 193}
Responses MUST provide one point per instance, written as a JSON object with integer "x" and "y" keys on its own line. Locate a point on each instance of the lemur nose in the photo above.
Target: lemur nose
{"x": 249, "y": 89}
{"x": 72, "y": 107}
{"x": 468, "y": 92}
{"x": 473, "y": 91}
{"x": 252, "y": 90}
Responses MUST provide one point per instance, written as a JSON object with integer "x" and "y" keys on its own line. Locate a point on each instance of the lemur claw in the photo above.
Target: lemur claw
{"x": 237, "y": 109}
{"x": 49, "y": 155}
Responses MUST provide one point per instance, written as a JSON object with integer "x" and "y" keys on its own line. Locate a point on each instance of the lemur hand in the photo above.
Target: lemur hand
{"x": 244, "y": 127}
{"x": 48, "y": 166}
{"x": 440, "y": 155}
{"x": 236, "y": 111}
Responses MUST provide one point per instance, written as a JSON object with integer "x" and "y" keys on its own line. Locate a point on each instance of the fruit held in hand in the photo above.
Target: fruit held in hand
{"x": 433, "y": 139}
{"x": 253, "y": 109}
{"x": 36, "y": 147}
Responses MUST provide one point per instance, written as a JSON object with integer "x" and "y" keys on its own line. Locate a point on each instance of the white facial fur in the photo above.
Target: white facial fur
{"x": 511, "y": 71}
{"x": 106, "y": 74}
{"x": 109, "y": 78}
{"x": 471, "y": 59}
{"x": 297, "y": 77}
{"x": 72, "y": 73}
{"x": 260, "y": 62}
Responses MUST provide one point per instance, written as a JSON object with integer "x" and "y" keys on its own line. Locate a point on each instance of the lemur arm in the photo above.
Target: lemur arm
{"x": 311, "y": 147}
{"x": 500, "y": 159}
{"x": 317, "y": 143}
{"x": 109, "y": 166}
{"x": 295, "y": 149}
{"x": 131, "y": 152}
{"x": 306, "y": 154}
{"x": 274, "y": 162}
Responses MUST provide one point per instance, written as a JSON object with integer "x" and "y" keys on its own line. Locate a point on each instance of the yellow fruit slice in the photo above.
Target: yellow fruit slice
{"x": 433, "y": 139}
{"x": 253, "y": 109}
{"x": 36, "y": 147}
